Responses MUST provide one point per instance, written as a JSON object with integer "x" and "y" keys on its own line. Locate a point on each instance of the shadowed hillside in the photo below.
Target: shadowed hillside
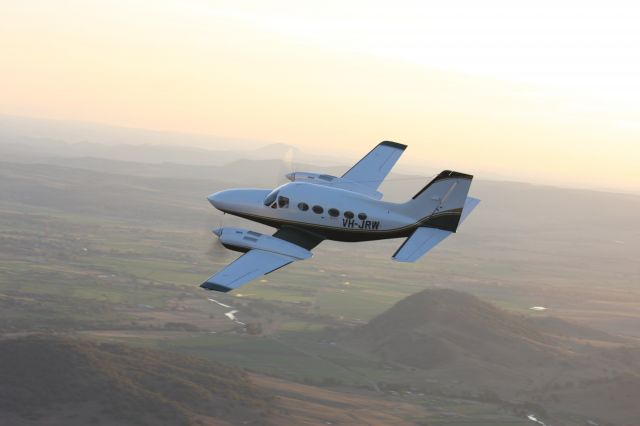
{"x": 62, "y": 381}
{"x": 73, "y": 381}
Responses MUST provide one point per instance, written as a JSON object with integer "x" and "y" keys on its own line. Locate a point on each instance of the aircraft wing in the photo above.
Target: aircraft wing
{"x": 247, "y": 267}
{"x": 376, "y": 165}
{"x": 257, "y": 262}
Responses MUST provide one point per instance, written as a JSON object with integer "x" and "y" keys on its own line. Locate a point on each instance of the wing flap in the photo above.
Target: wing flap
{"x": 302, "y": 238}
{"x": 247, "y": 267}
{"x": 371, "y": 170}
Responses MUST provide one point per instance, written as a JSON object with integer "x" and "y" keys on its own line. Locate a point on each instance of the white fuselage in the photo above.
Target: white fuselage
{"x": 334, "y": 213}
{"x": 316, "y": 207}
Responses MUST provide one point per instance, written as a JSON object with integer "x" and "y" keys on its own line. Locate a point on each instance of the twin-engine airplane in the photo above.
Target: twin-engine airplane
{"x": 315, "y": 207}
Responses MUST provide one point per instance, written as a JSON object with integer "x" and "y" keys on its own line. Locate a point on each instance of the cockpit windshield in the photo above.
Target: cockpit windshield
{"x": 271, "y": 198}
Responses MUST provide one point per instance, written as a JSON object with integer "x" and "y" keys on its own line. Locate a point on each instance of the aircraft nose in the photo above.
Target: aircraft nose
{"x": 215, "y": 200}
{"x": 217, "y": 231}
{"x": 233, "y": 200}
{"x": 223, "y": 200}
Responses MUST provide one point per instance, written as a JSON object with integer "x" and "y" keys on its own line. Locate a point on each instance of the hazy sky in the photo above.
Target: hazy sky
{"x": 545, "y": 92}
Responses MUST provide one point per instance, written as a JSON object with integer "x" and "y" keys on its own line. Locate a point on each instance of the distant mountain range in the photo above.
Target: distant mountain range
{"x": 41, "y": 130}
{"x": 29, "y": 139}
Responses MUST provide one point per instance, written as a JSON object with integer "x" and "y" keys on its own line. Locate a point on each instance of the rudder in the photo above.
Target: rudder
{"x": 440, "y": 203}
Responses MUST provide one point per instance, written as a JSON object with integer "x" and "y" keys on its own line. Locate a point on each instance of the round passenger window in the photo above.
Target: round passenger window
{"x": 303, "y": 206}
{"x": 362, "y": 216}
{"x": 317, "y": 209}
{"x": 334, "y": 212}
{"x": 348, "y": 215}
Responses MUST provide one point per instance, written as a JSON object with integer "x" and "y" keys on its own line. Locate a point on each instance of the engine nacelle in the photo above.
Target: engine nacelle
{"x": 243, "y": 240}
{"x": 337, "y": 182}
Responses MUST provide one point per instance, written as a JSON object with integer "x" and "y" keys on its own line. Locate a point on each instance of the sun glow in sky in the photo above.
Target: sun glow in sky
{"x": 591, "y": 46}
{"x": 544, "y": 91}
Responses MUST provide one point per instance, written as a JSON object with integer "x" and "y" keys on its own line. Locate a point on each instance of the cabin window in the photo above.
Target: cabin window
{"x": 318, "y": 209}
{"x": 327, "y": 178}
{"x": 348, "y": 215}
{"x": 283, "y": 202}
{"x": 334, "y": 212}
{"x": 303, "y": 206}
{"x": 362, "y": 216}
{"x": 271, "y": 198}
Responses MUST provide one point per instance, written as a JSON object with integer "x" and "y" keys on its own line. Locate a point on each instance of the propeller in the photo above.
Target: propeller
{"x": 216, "y": 249}
{"x": 286, "y": 171}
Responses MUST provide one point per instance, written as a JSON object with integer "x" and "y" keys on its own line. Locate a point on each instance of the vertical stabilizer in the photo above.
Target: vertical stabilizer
{"x": 441, "y": 202}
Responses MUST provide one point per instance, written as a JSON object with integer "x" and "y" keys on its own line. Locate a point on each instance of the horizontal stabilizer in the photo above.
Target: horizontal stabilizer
{"x": 421, "y": 241}
{"x": 469, "y": 205}
{"x": 424, "y": 239}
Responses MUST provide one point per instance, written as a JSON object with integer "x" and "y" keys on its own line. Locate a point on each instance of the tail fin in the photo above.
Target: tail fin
{"x": 440, "y": 203}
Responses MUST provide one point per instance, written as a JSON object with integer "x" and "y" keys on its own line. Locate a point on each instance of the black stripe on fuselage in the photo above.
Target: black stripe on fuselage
{"x": 442, "y": 220}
